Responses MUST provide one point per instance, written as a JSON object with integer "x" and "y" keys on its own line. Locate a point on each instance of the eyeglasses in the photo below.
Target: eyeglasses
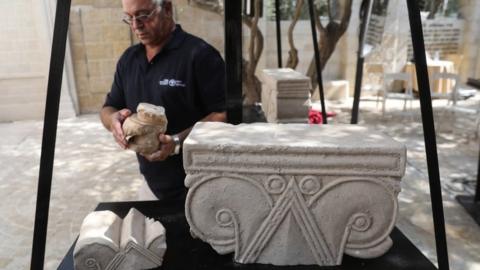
{"x": 142, "y": 18}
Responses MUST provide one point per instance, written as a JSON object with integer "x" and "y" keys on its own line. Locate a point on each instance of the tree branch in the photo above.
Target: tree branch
{"x": 211, "y": 6}
{"x": 292, "y": 60}
{"x": 434, "y": 5}
{"x": 329, "y": 11}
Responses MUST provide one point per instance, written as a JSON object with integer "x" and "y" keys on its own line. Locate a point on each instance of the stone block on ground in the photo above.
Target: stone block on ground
{"x": 285, "y": 95}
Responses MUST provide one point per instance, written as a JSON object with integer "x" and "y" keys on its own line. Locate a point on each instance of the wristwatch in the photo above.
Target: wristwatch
{"x": 178, "y": 144}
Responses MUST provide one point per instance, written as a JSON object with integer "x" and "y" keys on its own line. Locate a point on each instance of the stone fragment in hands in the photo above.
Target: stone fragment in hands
{"x": 141, "y": 129}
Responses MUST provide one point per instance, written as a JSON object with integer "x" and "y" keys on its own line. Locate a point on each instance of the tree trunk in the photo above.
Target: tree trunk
{"x": 434, "y": 5}
{"x": 251, "y": 84}
{"x": 292, "y": 60}
{"x": 252, "y": 87}
{"x": 328, "y": 38}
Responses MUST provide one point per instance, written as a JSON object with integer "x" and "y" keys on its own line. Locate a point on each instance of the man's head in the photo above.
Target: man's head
{"x": 150, "y": 20}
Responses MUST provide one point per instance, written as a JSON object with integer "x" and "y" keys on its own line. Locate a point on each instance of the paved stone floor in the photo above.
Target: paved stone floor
{"x": 89, "y": 168}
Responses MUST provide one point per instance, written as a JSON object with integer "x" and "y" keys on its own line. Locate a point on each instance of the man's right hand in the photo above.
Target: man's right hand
{"x": 116, "y": 121}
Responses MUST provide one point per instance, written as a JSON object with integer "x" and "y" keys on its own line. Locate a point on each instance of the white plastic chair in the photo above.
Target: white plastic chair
{"x": 387, "y": 94}
{"x": 373, "y": 78}
{"x": 451, "y": 94}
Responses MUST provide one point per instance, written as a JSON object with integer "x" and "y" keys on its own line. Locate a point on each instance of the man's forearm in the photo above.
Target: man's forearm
{"x": 215, "y": 117}
{"x": 212, "y": 117}
{"x": 106, "y": 116}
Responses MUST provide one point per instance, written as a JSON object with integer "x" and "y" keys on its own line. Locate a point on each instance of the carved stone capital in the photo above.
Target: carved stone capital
{"x": 292, "y": 194}
{"x": 106, "y": 242}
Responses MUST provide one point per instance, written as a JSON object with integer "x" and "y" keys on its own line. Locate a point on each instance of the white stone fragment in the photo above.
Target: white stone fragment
{"x": 292, "y": 194}
{"x": 106, "y": 242}
{"x": 142, "y": 128}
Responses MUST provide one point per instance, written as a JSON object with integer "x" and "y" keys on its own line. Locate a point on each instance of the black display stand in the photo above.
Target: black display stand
{"x": 471, "y": 205}
{"x": 184, "y": 252}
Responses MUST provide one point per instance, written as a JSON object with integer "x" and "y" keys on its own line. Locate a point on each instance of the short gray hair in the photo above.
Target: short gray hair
{"x": 160, "y": 3}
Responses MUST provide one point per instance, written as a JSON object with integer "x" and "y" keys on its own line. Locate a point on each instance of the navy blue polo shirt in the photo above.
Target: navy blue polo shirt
{"x": 187, "y": 78}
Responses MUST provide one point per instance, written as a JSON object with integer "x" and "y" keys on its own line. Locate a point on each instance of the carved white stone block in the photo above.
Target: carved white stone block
{"x": 292, "y": 194}
{"x": 285, "y": 95}
{"x": 106, "y": 242}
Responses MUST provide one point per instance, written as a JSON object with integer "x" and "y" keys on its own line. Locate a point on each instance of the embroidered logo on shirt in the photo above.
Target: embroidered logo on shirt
{"x": 171, "y": 82}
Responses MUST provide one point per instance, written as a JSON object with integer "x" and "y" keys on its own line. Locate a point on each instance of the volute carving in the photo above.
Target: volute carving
{"x": 265, "y": 210}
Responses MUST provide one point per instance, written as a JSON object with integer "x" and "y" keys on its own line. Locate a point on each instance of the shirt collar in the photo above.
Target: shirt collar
{"x": 178, "y": 35}
{"x": 175, "y": 41}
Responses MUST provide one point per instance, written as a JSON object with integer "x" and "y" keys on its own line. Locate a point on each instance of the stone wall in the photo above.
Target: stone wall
{"x": 24, "y": 52}
{"x": 97, "y": 37}
{"x": 204, "y": 24}
{"x": 470, "y": 67}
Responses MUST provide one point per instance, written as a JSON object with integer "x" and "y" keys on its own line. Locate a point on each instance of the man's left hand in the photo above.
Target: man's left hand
{"x": 167, "y": 147}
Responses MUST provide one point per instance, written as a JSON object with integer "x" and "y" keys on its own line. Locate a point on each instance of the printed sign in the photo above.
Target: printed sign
{"x": 375, "y": 26}
{"x": 441, "y": 36}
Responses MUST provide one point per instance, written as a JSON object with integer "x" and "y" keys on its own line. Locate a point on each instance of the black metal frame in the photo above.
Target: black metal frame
{"x": 233, "y": 57}
{"x": 428, "y": 127}
{"x": 317, "y": 60}
{"x": 54, "y": 87}
{"x": 367, "y": 9}
{"x": 279, "y": 33}
{"x": 472, "y": 203}
{"x": 233, "y": 60}
{"x": 428, "y": 133}
{"x": 477, "y": 190}
{"x": 184, "y": 252}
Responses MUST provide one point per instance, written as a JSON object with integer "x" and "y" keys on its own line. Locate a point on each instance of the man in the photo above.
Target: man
{"x": 172, "y": 69}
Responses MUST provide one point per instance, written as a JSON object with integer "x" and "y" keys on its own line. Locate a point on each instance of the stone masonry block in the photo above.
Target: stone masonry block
{"x": 83, "y": 2}
{"x": 100, "y": 84}
{"x": 116, "y": 15}
{"x": 76, "y": 34}
{"x": 285, "y": 94}
{"x": 108, "y": 68}
{"x": 99, "y": 51}
{"x": 74, "y": 19}
{"x": 108, "y": 4}
{"x": 120, "y": 47}
{"x": 78, "y": 53}
{"x": 93, "y": 33}
{"x": 292, "y": 194}
{"x": 116, "y": 32}
{"x": 94, "y": 16}
{"x": 90, "y": 103}
{"x": 94, "y": 68}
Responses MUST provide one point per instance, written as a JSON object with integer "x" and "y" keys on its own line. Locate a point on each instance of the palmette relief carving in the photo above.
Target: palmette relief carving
{"x": 293, "y": 195}
{"x": 142, "y": 128}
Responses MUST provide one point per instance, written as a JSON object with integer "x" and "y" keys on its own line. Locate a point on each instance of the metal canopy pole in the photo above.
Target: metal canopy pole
{"x": 477, "y": 191}
{"x": 360, "y": 59}
{"x": 233, "y": 60}
{"x": 317, "y": 61}
{"x": 472, "y": 203}
{"x": 279, "y": 33}
{"x": 49, "y": 133}
{"x": 429, "y": 133}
